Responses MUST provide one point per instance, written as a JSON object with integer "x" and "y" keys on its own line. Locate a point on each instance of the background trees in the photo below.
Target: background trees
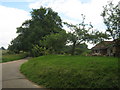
{"x": 82, "y": 33}
{"x": 2, "y": 48}
{"x": 44, "y": 33}
{"x": 111, "y": 17}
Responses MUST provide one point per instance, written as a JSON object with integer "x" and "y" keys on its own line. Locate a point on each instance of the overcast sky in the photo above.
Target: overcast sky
{"x": 14, "y": 12}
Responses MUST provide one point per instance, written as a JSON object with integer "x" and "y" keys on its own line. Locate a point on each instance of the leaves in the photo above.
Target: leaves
{"x": 44, "y": 21}
{"x": 79, "y": 33}
{"x": 111, "y": 17}
{"x": 54, "y": 42}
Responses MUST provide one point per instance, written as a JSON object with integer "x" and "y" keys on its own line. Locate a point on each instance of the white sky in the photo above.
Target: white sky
{"x": 69, "y": 10}
{"x": 10, "y": 19}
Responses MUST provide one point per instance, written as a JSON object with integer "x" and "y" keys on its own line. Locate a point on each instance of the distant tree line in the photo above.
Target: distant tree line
{"x": 2, "y": 48}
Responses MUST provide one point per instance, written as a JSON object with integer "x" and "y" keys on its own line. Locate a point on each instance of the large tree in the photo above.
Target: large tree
{"x": 44, "y": 22}
{"x": 78, "y": 34}
{"x": 82, "y": 33}
{"x": 111, "y": 17}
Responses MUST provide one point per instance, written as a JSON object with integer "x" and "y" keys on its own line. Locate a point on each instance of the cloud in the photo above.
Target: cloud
{"x": 10, "y": 19}
{"x": 72, "y": 9}
{"x": 18, "y": 0}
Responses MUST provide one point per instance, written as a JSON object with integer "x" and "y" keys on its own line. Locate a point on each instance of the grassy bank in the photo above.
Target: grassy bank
{"x": 12, "y": 57}
{"x": 72, "y": 71}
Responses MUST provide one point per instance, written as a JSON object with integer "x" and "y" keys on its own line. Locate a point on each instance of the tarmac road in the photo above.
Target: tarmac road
{"x": 12, "y": 78}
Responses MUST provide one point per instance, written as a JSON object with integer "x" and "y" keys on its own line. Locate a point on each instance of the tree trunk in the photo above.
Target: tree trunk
{"x": 117, "y": 46}
{"x": 73, "y": 48}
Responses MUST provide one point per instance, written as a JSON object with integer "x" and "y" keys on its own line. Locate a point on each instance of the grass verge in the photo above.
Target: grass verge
{"x": 12, "y": 57}
{"x": 72, "y": 71}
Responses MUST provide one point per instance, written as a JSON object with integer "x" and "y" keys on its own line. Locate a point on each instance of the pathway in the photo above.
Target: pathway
{"x": 12, "y": 78}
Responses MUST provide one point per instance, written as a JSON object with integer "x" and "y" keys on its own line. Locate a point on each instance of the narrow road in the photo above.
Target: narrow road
{"x": 12, "y": 78}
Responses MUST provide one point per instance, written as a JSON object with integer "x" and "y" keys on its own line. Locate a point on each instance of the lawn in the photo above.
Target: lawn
{"x": 57, "y": 71}
{"x": 12, "y": 57}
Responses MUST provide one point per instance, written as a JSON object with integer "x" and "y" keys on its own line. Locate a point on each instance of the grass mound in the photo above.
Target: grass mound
{"x": 72, "y": 71}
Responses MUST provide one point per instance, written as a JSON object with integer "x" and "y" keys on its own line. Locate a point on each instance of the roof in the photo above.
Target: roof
{"x": 103, "y": 45}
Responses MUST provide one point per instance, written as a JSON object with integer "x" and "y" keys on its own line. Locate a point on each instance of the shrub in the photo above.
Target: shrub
{"x": 38, "y": 51}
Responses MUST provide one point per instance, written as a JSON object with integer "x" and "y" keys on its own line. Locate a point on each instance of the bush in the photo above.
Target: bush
{"x": 38, "y": 51}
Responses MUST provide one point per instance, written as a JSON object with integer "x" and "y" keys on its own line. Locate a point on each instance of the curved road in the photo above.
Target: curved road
{"x": 12, "y": 78}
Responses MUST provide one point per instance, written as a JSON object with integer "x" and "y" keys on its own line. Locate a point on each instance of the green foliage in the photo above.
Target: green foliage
{"x": 97, "y": 36}
{"x": 15, "y": 45}
{"x": 44, "y": 22}
{"x": 82, "y": 33}
{"x": 86, "y": 53}
{"x": 59, "y": 71}
{"x": 50, "y": 44}
{"x": 111, "y": 16}
{"x": 79, "y": 50}
{"x": 55, "y": 42}
{"x": 38, "y": 51}
{"x": 79, "y": 33}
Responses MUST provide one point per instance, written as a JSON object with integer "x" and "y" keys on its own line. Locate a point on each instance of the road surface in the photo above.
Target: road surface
{"x": 12, "y": 78}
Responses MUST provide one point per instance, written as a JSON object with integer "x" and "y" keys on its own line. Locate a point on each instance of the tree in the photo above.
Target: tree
{"x": 15, "y": 45}
{"x": 55, "y": 42}
{"x": 78, "y": 33}
{"x": 82, "y": 33}
{"x": 44, "y": 22}
{"x": 96, "y": 36}
{"x": 111, "y": 17}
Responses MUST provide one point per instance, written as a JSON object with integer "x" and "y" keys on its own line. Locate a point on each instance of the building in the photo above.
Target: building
{"x": 107, "y": 48}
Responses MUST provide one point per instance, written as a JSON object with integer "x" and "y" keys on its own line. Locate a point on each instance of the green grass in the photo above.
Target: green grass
{"x": 12, "y": 57}
{"x": 57, "y": 71}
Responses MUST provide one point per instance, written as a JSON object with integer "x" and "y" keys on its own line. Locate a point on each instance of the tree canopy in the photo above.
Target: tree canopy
{"x": 55, "y": 42}
{"x": 82, "y": 33}
{"x": 111, "y": 17}
{"x": 44, "y": 22}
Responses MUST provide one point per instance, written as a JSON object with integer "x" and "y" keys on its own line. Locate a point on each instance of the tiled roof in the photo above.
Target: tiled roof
{"x": 103, "y": 45}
